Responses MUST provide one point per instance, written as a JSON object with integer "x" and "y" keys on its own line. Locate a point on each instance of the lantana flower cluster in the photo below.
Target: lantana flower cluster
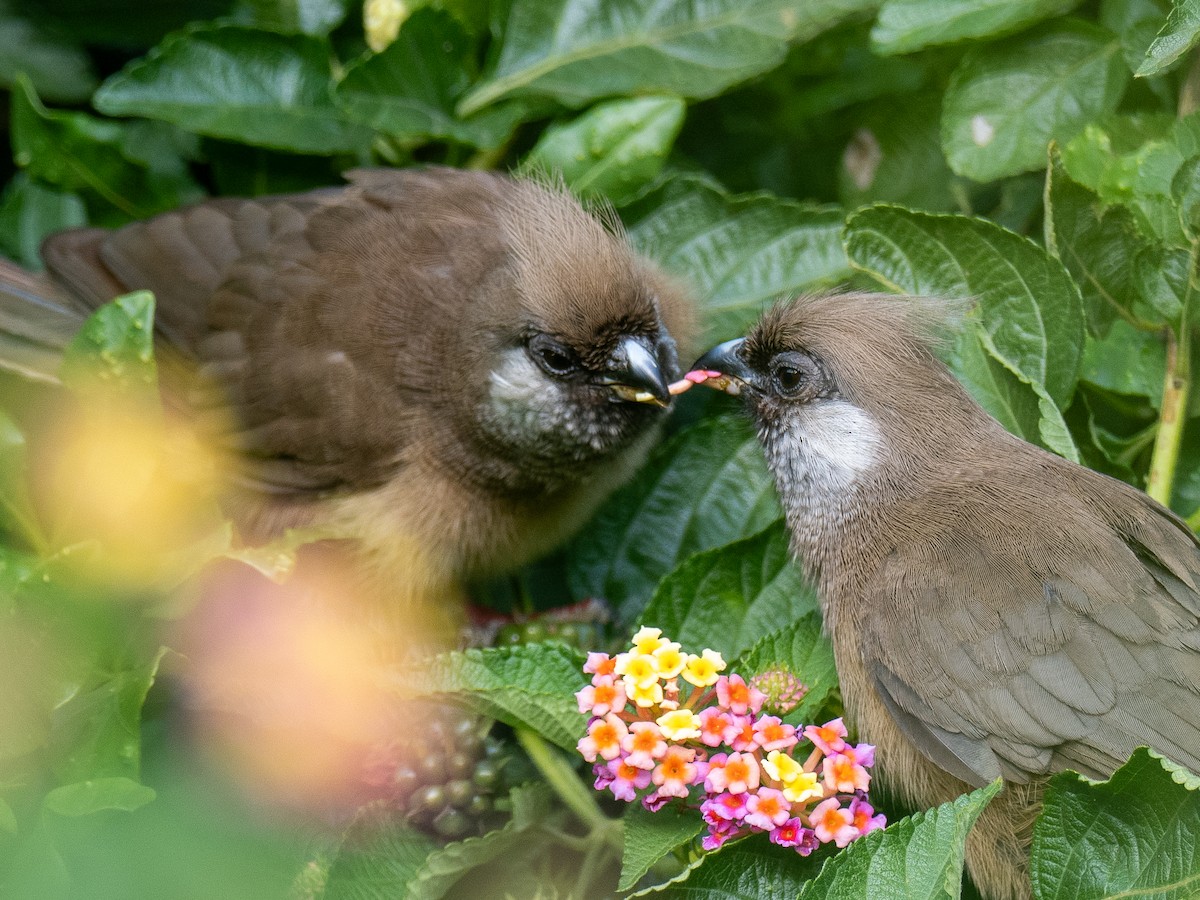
{"x": 667, "y": 724}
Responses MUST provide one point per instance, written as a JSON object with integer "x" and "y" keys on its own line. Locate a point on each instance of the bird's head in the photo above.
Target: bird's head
{"x": 574, "y": 338}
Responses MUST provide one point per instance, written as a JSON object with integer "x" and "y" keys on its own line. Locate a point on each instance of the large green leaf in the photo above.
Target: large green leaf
{"x": 409, "y": 90}
{"x": 257, "y": 87}
{"x": 614, "y": 148}
{"x": 85, "y": 798}
{"x": 750, "y": 869}
{"x": 649, "y": 836}
{"x": 706, "y": 487}
{"x": 800, "y": 650}
{"x": 1008, "y": 100}
{"x": 115, "y": 346}
{"x": 728, "y": 598}
{"x": 532, "y": 685}
{"x": 1135, "y": 835}
{"x": 1127, "y": 361}
{"x": 1030, "y": 316}
{"x": 59, "y": 69}
{"x": 738, "y": 251}
{"x": 1179, "y": 35}
{"x": 579, "y": 50}
{"x": 907, "y": 25}
{"x": 29, "y": 211}
{"x": 1135, "y": 22}
{"x": 917, "y": 858}
{"x": 295, "y": 16}
{"x": 81, "y": 153}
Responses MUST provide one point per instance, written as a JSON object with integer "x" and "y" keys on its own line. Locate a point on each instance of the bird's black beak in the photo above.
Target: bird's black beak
{"x": 726, "y": 358}
{"x": 636, "y": 375}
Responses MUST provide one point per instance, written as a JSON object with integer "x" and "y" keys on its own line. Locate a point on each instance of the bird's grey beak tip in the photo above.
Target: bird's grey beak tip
{"x": 638, "y": 377}
{"x": 723, "y": 368}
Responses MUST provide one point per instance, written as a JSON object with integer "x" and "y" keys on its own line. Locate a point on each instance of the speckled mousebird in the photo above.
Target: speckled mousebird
{"x": 994, "y": 610}
{"x": 438, "y": 363}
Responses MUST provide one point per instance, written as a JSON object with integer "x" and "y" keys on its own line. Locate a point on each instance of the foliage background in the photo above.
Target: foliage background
{"x": 1040, "y": 156}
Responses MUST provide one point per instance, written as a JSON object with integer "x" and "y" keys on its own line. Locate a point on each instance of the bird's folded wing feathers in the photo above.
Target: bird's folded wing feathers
{"x": 991, "y": 667}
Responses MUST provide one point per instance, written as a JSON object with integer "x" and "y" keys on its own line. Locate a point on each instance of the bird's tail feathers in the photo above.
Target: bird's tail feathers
{"x": 36, "y": 324}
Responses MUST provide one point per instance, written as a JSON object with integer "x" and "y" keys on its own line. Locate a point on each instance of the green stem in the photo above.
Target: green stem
{"x": 1177, "y": 386}
{"x": 562, "y": 778}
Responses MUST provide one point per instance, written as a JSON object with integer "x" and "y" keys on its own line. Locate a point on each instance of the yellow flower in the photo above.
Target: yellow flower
{"x": 781, "y": 767}
{"x": 703, "y": 670}
{"x": 638, "y": 668}
{"x": 670, "y": 660}
{"x": 803, "y": 787}
{"x": 649, "y": 695}
{"x": 647, "y": 640}
{"x": 382, "y": 20}
{"x": 679, "y": 725}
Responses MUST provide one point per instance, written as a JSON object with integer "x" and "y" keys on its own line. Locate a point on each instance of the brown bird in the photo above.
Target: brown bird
{"x": 994, "y": 610}
{"x": 439, "y": 364}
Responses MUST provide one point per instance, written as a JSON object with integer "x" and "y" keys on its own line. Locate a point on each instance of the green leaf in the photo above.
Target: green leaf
{"x": 917, "y": 858}
{"x": 1179, "y": 35}
{"x": 59, "y": 70}
{"x": 651, "y": 836}
{"x": 576, "y": 51}
{"x": 907, "y": 25}
{"x": 613, "y": 149}
{"x": 750, "y": 869}
{"x": 226, "y": 81}
{"x": 1007, "y": 101}
{"x": 409, "y": 90}
{"x": 1133, "y": 835}
{"x": 84, "y": 798}
{"x": 728, "y": 598}
{"x": 17, "y": 512}
{"x": 532, "y": 685}
{"x": 29, "y": 211}
{"x": 1096, "y": 242}
{"x": 78, "y": 152}
{"x": 8, "y": 819}
{"x": 801, "y": 650}
{"x": 1185, "y": 191}
{"x": 1127, "y": 361}
{"x": 1136, "y": 22}
{"x": 295, "y": 16}
{"x": 738, "y": 251}
{"x": 1030, "y": 316}
{"x": 707, "y": 486}
{"x": 115, "y": 345}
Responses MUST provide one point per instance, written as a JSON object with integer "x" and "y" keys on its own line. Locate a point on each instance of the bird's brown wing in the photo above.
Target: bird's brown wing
{"x": 1023, "y": 651}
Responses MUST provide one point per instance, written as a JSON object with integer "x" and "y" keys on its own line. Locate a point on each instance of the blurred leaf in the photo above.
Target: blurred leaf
{"x": 531, "y": 684}
{"x": 918, "y": 858}
{"x": 1135, "y": 22}
{"x": 1185, "y": 191}
{"x": 1161, "y": 277}
{"x": 127, "y": 26}
{"x": 257, "y": 87}
{"x": 17, "y": 512}
{"x": 750, "y": 869}
{"x": 29, "y": 211}
{"x": 577, "y": 51}
{"x": 704, "y": 488}
{"x": 8, "y": 819}
{"x": 85, "y": 798}
{"x": 295, "y": 16}
{"x": 738, "y": 251}
{"x": 1127, "y": 361}
{"x": 907, "y": 25}
{"x": 649, "y": 836}
{"x": 895, "y": 156}
{"x": 1185, "y": 499}
{"x": 115, "y": 345}
{"x": 59, "y": 70}
{"x": 1008, "y": 100}
{"x": 801, "y": 649}
{"x": 1136, "y": 833}
{"x": 78, "y": 152}
{"x": 1096, "y": 242}
{"x": 728, "y": 598}
{"x": 1179, "y": 35}
{"x": 409, "y": 90}
{"x": 1030, "y": 316}
{"x": 613, "y": 149}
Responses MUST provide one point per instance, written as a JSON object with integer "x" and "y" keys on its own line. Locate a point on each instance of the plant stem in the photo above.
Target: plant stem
{"x": 1176, "y": 388}
{"x": 562, "y": 778}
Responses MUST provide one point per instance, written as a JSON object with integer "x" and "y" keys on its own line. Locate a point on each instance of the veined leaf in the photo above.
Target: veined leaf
{"x": 750, "y": 869}
{"x": 907, "y": 25}
{"x": 1179, "y": 35}
{"x": 295, "y": 16}
{"x": 651, "y": 836}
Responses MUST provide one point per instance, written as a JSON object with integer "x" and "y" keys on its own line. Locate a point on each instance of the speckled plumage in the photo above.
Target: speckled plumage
{"x": 994, "y": 610}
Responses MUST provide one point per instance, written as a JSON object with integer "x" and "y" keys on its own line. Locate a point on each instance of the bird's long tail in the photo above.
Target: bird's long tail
{"x": 37, "y": 321}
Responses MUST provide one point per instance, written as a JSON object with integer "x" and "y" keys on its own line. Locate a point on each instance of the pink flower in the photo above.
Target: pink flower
{"x": 863, "y": 754}
{"x": 792, "y": 833}
{"x": 724, "y": 807}
{"x": 828, "y": 738}
{"x": 654, "y": 801}
{"x": 676, "y": 773}
{"x": 767, "y": 809}
{"x": 771, "y": 733}
{"x": 843, "y": 775}
{"x": 832, "y": 823}
{"x": 736, "y": 773}
{"x": 644, "y": 744}
{"x": 743, "y": 740}
{"x": 718, "y": 834}
{"x": 627, "y": 780}
{"x": 604, "y": 695}
{"x": 864, "y": 818}
{"x": 738, "y": 697}
{"x": 604, "y": 776}
{"x": 716, "y": 727}
{"x": 603, "y": 738}
{"x": 600, "y": 664}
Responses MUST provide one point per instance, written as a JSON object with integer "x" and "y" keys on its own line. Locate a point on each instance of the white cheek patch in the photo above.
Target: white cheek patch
{"x": 518, "y": 381}
{"x": 843, "y": 439}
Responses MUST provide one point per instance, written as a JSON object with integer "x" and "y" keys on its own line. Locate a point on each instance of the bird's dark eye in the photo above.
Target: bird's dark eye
{"x": 789, "y": 379}
{"x": 793, "y": 373}
{"x": 553, "y": 357}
